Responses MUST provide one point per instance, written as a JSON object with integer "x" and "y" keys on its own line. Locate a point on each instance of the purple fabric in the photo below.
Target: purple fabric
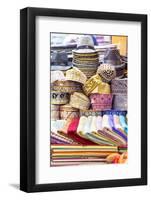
{"x": 116, "y": 130}
{"x": 57, "y": 141}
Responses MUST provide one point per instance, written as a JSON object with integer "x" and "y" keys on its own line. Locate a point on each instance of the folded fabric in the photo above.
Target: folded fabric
{"x": 121, "y": 134}
{"x": 56, "y": 125}
{"x": 64, "y": 129}
{"x": 57, "y": 141}
{"x": 117, "y": 124}
{"x": 123, "y": 123}
{"x": 63, "y": 138}
{"x": 105, "y": 122}
{"x": 99, "y": 123}
{"x": 72, "y": 132}
{"x": 90, "y": 132}
{"x": 80, "y": 148}
{"x": 109, "y": 128}
{"x": 81, "y": 126}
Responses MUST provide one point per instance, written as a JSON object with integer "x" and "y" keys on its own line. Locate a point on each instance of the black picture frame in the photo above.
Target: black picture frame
{"x": 28, "y": 99}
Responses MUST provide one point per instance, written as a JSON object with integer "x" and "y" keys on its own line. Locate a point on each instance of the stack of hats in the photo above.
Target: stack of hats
{"x": 65, "y": 87}
{"x": 119, "y": 90}
{"x": 85, "y": 57}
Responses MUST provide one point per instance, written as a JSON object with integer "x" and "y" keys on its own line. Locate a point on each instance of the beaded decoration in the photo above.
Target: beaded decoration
{"x": 107, "y": 72}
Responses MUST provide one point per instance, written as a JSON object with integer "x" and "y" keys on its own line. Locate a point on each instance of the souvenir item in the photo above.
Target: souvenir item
{"x": 107, "y": 72}
{"x": 120, "y": 102}
{"x": 76, "y": 75}
{"x": 90, "y": 113}
{"x": 67, "y": 86}
{"x": 91, "y": 84}
{"x": 96, "y": 85}
{"x": 88, "y": 71}
{"x": 68, "y": 112}
{"x": 102, "y": 88}
{"x": 59, "y": 61}
{"x": 55, "y": 114}
{"x": 59, "y": 97}
{"x": 57, "y": 76}
{"x": 119, "y": 86}
{"x": 79, "y": 101}
{"x": 112, "y": 57}
{"x": 101, "y": 101}
{"x": 85, "y": 57}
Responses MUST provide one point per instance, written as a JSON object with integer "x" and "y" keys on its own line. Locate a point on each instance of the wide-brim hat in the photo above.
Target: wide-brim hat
{"x": 85, "y": 45}
{"x": 60, "y": 68}
{"x": 59, "y": 61}
{"x": 113, "y": 57}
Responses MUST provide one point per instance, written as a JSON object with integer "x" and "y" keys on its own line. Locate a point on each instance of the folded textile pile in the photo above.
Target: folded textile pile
{"x": 73, "y": 140}
{"x": 77, "y": 154}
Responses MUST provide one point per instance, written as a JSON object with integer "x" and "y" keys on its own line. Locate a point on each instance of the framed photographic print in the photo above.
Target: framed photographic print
{"x": 83, "y": 99}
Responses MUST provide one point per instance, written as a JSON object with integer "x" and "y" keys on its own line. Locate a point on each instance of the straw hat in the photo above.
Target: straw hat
{"x": 76, "y": 75}
{"x": 80, "y": 101}
{"x": 66, "y": 86}
{"x": 57, "y": 75}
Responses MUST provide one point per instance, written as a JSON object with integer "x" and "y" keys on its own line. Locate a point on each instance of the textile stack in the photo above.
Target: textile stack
{"x": 89, "y": 121}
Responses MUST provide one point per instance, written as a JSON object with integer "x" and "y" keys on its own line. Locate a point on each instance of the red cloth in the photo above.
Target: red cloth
{"x": 72, "y": 128}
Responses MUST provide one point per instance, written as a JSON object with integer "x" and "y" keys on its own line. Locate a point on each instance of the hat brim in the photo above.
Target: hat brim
{"x": 84, "y": 51}
{"x": 60, "y": 67}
